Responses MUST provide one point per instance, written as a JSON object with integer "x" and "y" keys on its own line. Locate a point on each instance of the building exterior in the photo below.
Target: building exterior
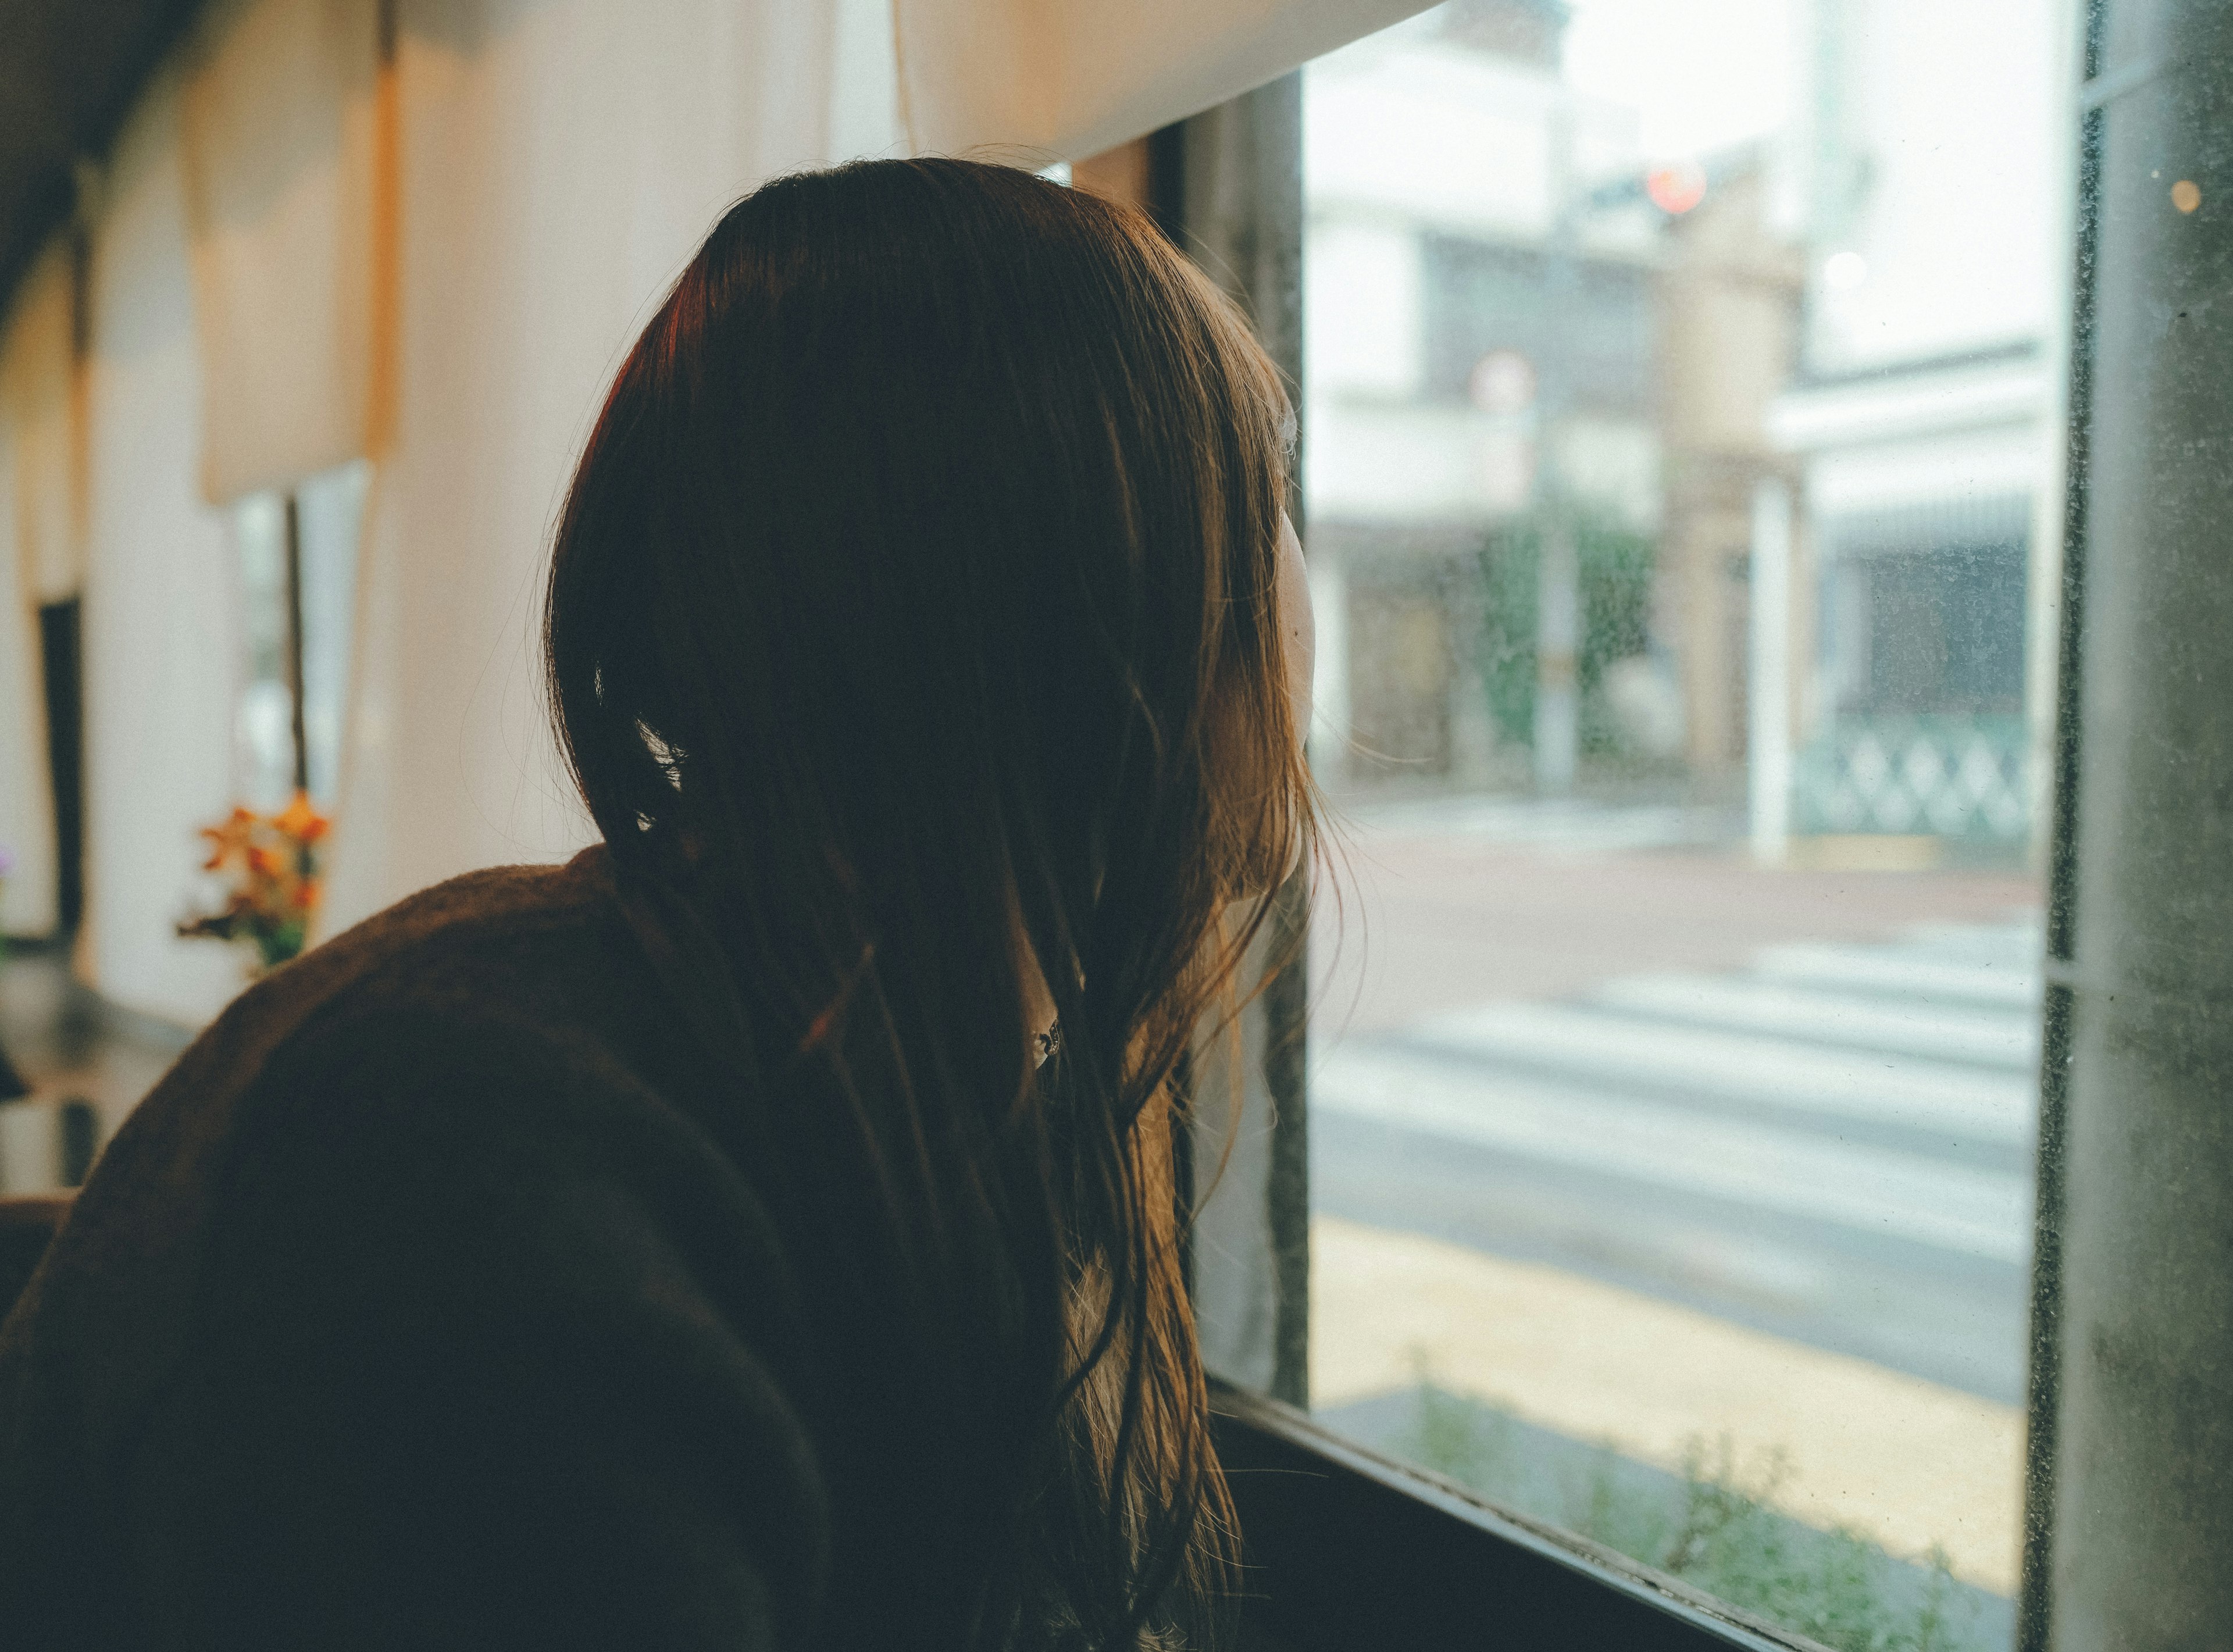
{"x": 1480, "y": 334}
{"x": 1921, "y": 421}
{"x": 1539, "y": 381}
{"x": 1559, "y": 389}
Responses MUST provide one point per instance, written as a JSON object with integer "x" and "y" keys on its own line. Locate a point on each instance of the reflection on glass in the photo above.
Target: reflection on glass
{"x": 1680, "y": 400}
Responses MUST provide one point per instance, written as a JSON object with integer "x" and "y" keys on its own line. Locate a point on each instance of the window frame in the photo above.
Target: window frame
{"x": 1345, "y": 1547}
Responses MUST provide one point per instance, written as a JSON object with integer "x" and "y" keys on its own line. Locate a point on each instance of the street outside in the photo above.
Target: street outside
{"x": 1721, "y": 1150}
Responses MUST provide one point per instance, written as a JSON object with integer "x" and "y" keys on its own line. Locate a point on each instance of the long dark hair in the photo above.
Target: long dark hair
{"x": 915, "y": 602}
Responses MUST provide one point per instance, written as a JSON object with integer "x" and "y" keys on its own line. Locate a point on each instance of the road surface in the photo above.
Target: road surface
{"x": 1828, "y": 1136}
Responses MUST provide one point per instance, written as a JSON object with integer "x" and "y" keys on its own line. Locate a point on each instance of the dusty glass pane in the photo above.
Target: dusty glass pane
{"x": 330, "y": 509}
{"x": 1681, "y": 407}
{"x": 264, "y": 750}
{"x": 332, "y": 512}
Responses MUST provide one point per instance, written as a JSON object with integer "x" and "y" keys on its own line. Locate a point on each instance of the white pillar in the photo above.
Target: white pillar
{"x": 1767, "y": 744}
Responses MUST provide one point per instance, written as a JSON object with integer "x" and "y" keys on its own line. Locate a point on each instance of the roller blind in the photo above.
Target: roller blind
{"x": 36, "y": 556}
{"x": 287, "y": 126}
{"x": 1068, "y": 78}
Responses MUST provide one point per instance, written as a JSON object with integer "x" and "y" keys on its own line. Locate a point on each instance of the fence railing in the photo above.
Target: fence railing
{"x": 1941, "y": 775}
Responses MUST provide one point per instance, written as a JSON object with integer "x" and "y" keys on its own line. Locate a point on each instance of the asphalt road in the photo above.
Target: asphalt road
{"x": 1802, "y": 1102}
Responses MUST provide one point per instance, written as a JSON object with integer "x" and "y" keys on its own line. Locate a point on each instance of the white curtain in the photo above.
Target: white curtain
{"x": 1063, "y": 79}
{"x": 288, "y": 147}
{"x": 40, "y": 562}
{"x": 39, "y": 410}
{"x": 27, "y": 822}
{"x": 161, "y": 647}
{"x": 561, "y": 161}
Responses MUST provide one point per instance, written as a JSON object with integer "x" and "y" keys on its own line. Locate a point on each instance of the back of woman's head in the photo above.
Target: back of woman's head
{"x": 912, "y": 629}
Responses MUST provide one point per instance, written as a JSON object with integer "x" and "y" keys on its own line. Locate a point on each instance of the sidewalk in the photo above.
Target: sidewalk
{"x": 1906, "y": 1463}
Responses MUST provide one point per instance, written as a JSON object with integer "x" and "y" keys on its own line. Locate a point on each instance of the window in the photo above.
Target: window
{"x": 297, "y": 554}
{"x": 1682, "y": 404}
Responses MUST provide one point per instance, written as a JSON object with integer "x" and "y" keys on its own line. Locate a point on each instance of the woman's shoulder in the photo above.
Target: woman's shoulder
{"x": 523, "y": 942}
{"x": 481, "y": 1030}
{"x": 504, "y": 928}
{"x": 424, "y": 1231}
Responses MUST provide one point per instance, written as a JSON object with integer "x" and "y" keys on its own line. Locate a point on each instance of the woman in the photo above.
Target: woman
{"x": 694, "y": 1246}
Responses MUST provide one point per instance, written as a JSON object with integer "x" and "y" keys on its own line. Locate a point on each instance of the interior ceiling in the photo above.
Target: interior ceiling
{"x": 68, "y": 72}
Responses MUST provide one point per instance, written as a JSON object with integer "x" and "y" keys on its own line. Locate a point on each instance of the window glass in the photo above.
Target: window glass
{"x": 328, "y": 507}
{"x": 264, "y": 750}
{"x": 331, "y": 506}
{"x": 1683, "y": 393}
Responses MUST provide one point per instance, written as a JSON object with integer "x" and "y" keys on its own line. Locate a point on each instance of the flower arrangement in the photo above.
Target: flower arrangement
{"x": 273, "y": 861}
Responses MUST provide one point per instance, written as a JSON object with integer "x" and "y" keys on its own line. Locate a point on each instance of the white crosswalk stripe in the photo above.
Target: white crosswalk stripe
{"x": 1634, "y": 1052}
{"x": 1874, "y": 1189}
{"x": 1885, "y": 1090}
{"x": 1906, "y": 972}
{"x": 1991, "y": 1038}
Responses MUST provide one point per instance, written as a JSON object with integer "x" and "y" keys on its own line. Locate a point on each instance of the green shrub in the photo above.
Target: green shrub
{"x": 1614, "y": 573}
{"x": 1712, "y": 1525}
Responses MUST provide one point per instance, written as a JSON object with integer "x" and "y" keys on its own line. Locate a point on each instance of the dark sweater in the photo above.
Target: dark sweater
{"x": 423, "y": 1305}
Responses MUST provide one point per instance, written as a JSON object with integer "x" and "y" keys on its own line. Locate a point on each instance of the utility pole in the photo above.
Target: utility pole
{"x": 1768, "y": 738}
{"x": 1557, "y": 577}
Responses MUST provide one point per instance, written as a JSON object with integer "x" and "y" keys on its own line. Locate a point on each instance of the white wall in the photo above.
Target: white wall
{"x": 161, "y": 646}
{"x": 1406, "y": 129}
{"x": 1364, "y": 308}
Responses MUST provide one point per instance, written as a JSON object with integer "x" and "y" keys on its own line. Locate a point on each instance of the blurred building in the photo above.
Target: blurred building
{"x": 1530, "y": 341}
{"x": 1519, "y": 328}
{"x": 1921, "y": 418}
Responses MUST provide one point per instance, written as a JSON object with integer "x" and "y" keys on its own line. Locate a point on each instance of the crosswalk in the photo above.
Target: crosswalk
{"x": 1885, "y": 1090}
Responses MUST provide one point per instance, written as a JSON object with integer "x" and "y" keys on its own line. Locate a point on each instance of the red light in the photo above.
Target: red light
{"x": 1675, "y": 189}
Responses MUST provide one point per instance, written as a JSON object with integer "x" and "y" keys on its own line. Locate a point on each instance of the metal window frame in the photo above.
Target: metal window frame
{"x": 2129, "y": 1505}
{"x": 1227, "y": 185}
{"x": 2044, "y": 1365}
{"x": 1347, "y": 1549}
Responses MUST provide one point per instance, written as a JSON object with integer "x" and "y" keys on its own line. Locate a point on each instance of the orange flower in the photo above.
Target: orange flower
{"x": 271, "y": 863}
{"x": 229, "y": 837}
{"x": 300, "y": 821}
